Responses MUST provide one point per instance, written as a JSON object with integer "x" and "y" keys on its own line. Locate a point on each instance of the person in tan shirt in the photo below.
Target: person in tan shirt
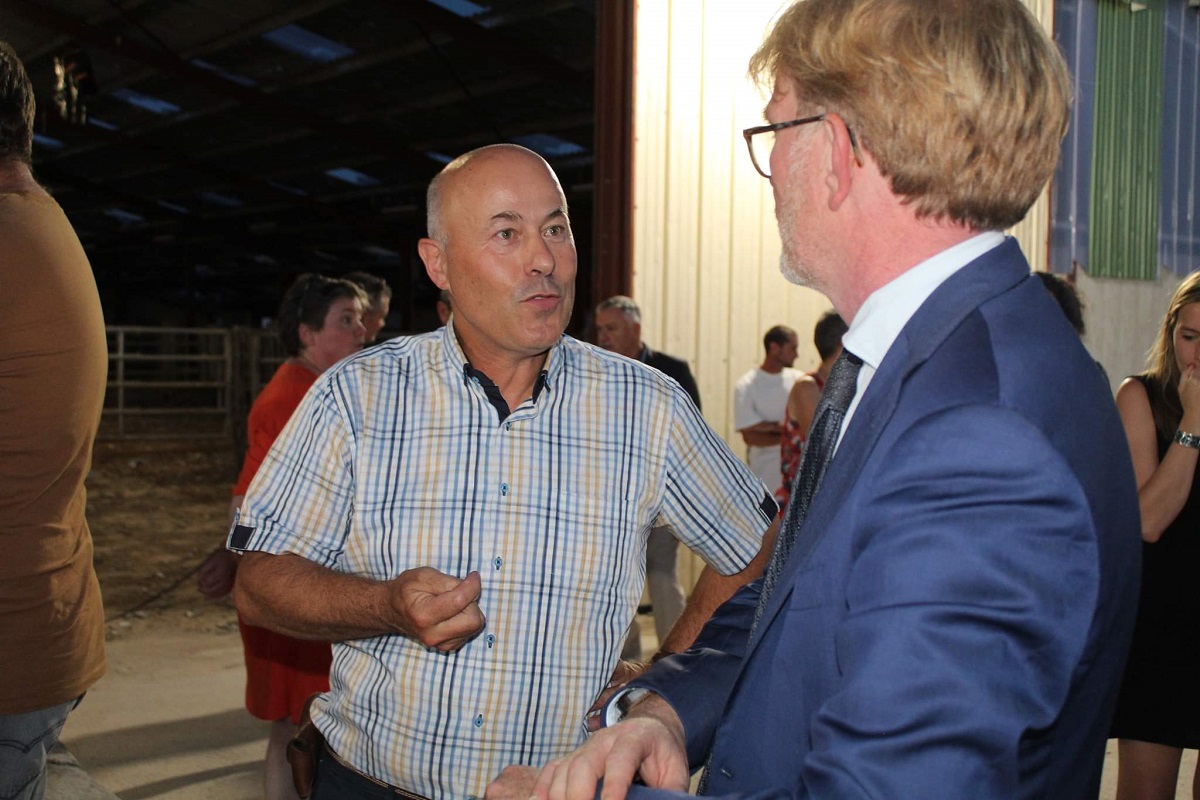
{"x": 53, "y": 368}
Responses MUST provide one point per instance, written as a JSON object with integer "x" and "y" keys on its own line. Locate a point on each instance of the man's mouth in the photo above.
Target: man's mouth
{"x": 543, "y": 297}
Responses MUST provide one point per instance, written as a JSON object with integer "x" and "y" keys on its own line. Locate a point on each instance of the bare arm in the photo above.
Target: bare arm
{"x": 1163, "y": 487}
{"x": 296, "y": 597}
{"x": 802, "y": 401}
{"x": 711, "y": 590}
{"x": 762, "y": 434}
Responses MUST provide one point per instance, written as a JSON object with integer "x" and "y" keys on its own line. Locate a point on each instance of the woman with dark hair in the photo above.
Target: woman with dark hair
{"x": 1158, "y": 713}
{"x": 320, "y": 323}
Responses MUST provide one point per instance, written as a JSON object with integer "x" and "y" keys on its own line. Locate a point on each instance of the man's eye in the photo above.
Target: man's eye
{"x": 507, "y": 234}
{"x": 556, "y": 230}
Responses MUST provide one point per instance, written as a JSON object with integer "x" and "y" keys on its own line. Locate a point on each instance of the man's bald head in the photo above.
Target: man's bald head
{"x": 441, "y": 193}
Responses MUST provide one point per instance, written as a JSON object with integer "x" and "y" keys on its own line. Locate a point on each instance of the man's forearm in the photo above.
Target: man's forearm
{"x": 711, "y": 590}
{"x": 763, "y": 434}
{"x": 292, "y": 595}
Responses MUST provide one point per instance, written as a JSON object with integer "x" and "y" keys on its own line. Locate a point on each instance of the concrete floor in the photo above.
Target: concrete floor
{"x": 167, "y": 723}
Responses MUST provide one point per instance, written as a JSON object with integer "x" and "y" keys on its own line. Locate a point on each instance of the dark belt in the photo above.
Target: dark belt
{"x": 334, "y": 769}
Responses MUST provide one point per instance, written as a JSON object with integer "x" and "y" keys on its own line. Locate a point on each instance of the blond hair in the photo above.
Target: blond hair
{"x": 962, "y": 103}
{"x": 1162, "y": 367}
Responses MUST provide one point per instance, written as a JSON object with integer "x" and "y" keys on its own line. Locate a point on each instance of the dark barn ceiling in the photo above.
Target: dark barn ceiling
{"x": 215, "y": 149}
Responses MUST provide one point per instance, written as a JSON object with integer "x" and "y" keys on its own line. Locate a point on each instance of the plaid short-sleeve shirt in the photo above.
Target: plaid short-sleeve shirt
{"x": 396, "y": 459}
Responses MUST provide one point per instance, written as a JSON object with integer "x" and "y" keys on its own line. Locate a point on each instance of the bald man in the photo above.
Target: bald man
{"x": 464, "y": 515}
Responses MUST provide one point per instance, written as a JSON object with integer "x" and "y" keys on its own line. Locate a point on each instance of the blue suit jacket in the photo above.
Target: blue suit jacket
{"x": 954, "y": 619}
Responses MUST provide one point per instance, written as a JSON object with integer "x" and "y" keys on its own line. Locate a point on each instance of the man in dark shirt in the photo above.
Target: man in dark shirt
{"x": 619, "y": 329}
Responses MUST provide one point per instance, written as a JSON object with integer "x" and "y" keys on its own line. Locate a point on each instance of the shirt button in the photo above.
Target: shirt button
{"x": 726, "y": 772}
{"x": 497, "y": 562}
{"x": 491, "y": 640}
{"x": 508, "y": 426}
{"x": 504, "y": 490}
{"x": 479, "y": 721}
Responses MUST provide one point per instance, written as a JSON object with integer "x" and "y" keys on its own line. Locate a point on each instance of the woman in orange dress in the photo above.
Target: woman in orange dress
{"x": 320, "y": 323}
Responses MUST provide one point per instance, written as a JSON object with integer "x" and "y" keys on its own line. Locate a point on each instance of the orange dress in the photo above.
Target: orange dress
{"x": 281, "y": 672}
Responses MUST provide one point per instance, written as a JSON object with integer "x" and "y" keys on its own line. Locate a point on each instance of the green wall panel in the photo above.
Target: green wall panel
{"x": 1123, "y": 239}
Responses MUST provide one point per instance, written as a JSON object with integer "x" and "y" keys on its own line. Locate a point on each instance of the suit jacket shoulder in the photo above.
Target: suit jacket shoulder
{"x": 675, "y": 368}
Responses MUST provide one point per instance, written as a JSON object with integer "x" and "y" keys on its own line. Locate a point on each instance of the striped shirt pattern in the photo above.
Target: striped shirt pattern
{"x": 395, "y": 460}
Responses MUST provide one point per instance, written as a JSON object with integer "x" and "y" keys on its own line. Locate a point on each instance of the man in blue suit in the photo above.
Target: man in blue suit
{"x": 953, "y": 617}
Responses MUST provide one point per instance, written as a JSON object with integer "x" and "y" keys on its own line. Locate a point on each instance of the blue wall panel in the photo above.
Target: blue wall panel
{"x": 1075, "y": 32}
{"x": 1179, "y": 223}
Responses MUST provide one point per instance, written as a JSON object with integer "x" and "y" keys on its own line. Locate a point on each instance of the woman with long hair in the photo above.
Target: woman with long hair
{"x": 320, "y": 323}
{"x": 1158, "y": 713}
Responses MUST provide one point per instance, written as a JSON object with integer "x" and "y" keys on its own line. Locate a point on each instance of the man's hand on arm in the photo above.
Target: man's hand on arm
{"x": 648, "y": 744}
{"x": 762, "y": 434}
{"x": 296, "y": 597}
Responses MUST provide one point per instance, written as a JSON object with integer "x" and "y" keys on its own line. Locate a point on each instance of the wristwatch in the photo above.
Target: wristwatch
{"x": 1187, "y": 439}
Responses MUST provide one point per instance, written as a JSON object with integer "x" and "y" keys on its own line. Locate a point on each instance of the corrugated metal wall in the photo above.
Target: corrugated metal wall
{"x": 1075, "y": 33}
{"x": 1179, "y": 226}
{"x": 1033, "y": 232}
{"x": 706, "y": 248}
{"x": 1129, "y": 94}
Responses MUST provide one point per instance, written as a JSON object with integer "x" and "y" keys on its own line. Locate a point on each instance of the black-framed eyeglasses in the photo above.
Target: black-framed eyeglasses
{"x": 760, "y": 147}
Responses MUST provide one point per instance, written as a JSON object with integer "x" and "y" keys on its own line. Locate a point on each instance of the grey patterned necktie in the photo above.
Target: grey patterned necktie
{"x": 818, "y": 450}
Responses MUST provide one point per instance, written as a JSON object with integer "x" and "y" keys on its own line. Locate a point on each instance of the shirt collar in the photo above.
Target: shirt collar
{"x": 889, "y": 308}
{"x": 458, "y": 359}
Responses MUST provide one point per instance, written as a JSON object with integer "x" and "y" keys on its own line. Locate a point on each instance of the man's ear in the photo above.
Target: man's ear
{"x": 307, "y": 334}
{"x": 843, "y": 160}
{"x": 435, "y": 262}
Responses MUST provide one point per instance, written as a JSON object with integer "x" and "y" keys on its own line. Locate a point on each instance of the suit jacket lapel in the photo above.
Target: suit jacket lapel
{"x": 996, "y": 271}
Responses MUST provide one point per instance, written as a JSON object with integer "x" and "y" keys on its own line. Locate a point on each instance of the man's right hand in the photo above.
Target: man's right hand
{"x": 649, "y": 743}
{"x": 438, "y": 610}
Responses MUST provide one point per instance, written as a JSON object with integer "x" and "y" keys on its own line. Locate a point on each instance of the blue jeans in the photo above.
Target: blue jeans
{"x": 25, "y": 739}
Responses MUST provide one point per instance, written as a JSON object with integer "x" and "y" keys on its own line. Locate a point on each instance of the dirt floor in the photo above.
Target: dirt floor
{"x": 156, "y": 509}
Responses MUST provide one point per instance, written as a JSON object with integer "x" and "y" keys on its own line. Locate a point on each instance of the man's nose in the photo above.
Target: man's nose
{"x": 541, "y": 260}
